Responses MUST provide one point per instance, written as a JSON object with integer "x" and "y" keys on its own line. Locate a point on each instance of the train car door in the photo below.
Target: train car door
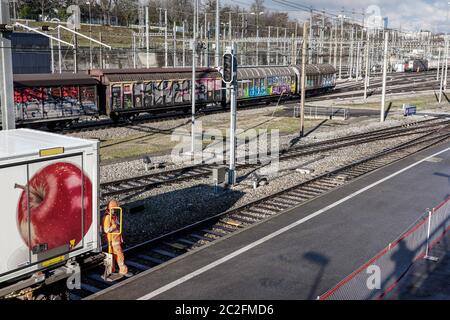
{"x": 138, "y": 95}
{"x": 127, "y": 95}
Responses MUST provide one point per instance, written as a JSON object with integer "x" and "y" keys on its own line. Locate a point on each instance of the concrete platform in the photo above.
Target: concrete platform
{"x": 305, "y": 251}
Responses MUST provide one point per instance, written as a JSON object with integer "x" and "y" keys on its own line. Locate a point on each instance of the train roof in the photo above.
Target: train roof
{"x": 267, "y": 71}
{"x": 107, "y": 76}
{"x": 55, "y": 79}
{"x": 315, "y": 69}
{"x": 264, "y": 71}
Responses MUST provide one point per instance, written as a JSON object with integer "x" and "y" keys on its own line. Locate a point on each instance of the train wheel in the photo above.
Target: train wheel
{"x": 114, "y": 117}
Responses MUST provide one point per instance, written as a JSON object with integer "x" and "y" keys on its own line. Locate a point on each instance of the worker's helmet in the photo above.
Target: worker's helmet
{"x": 113, "y": 204}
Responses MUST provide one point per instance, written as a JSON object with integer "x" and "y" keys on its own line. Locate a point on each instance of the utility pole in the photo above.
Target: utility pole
{"x": 442, "y": 71}
{"x": 193, "y": 84}
{"x": 59, "y": 51}
{"x": 284, "y": 47}
{"x": 134, "y": 50}
{"x": 75, "y": 54}
{"x": 100, "y": 37}
{"x": 310, "y": 33}
{"x": 446, "y": 63}
{"x": 90, "y": 35}
{"x": 52, "y": 58}
{"x": 350, "y": 70}
{"x": 217, "y": 53}
{"x": 184, "y": 45}
{"x": 342, "y": 40}
{"x": 207, "y": 43}
{"x": 385, "y": 62}
{"x": 335, "y": 46}
{"x": 357, "y": 60}
{"x": 366, "y": 75}
{"x": 322, "y": 34}
{"x": 278, "y": 45}
{"x": 6, "y": 73}
{"x": 330, "y": 49}
{"x": 303, "y": 81}
{"x": 257, "y": 38}
{"x": 147, "y": 37}
{"x": 439, "y": 60}
{"x": 174, "y": 44}
{"x": 268, "y": 47}
{"x": 165, "y": 40}
{"x": 230, "y": 33}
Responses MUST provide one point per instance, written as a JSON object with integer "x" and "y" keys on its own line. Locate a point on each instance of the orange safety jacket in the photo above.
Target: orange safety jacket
{"x": 111, "y": 226}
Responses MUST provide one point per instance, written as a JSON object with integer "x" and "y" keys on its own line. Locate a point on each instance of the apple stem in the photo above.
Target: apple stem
{"x": 24, "y": 188}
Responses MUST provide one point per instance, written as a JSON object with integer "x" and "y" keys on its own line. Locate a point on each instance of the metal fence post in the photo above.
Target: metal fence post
{"x": 427, "y": 256}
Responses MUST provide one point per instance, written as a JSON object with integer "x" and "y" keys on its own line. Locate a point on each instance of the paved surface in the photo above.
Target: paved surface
{"x": 331, "y": 237}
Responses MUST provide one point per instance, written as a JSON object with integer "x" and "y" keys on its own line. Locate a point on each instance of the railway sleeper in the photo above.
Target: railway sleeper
{"x": 272, "y": 208}
{"x": 257, "y": 210}
{"x": 137, "y": 265}
{"x": 313, "y": 189}
{"x": 164, "y": 253}
{"x": 154, "y": 260}
{"x": 223, "y": 228}
{"x": 212, "y": 232}
{"x": 277, "y": 206}
{"x": 246, "y": 218}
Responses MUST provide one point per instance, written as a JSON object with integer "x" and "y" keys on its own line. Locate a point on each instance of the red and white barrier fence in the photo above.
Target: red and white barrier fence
{"x": 376, "y": 278}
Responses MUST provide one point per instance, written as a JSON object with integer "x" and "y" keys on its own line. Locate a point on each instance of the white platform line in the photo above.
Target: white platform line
{"x": 276, "y": 233}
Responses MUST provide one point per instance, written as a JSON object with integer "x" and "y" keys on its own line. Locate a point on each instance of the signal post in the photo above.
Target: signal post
{"x": 230, "y": 78}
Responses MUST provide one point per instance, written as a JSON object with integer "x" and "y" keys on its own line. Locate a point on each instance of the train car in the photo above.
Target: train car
{"x": 129, "y": 92}
{"x": 320, "y": 78}
{"x": 268, "y": 83}
{"x": 416, "y": 65}
{"x": 265, "y": 83}
{"x": 50, "y": 211}
{"x": 54, "y": 99}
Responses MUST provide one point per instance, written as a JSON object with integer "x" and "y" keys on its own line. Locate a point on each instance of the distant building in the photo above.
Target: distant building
{"x": 30, "y": 53}
{"x": 385, "y": 22}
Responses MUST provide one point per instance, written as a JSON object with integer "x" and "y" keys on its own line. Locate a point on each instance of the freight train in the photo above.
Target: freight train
{"x": 62, "y": 99}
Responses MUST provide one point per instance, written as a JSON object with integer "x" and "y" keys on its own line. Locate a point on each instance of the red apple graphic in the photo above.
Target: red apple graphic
{"x": 55, "y": 194}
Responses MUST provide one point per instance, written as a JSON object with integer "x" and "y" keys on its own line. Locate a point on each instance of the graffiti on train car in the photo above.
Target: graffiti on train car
{"x": 258, "y": 88}
{"x": 54, "y": 102}
{"x": 163, "y": 92}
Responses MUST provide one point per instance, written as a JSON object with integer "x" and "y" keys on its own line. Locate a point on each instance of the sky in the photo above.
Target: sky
{"x": 410, "y": 15}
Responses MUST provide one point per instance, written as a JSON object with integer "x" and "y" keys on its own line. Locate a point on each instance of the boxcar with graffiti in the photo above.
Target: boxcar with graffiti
{"x": 54, "y": 97}
{"x": 133, "y": 91}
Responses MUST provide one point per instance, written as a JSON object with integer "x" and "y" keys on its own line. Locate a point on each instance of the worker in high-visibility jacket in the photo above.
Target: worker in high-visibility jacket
{"x": 114, "y": 237}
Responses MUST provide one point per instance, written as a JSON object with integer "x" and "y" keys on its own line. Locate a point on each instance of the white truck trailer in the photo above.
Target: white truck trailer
{"x": 49, "y": 188}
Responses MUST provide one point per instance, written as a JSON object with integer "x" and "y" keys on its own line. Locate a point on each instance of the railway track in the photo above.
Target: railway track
{"x": 399, "y": 87}
{"x": 153, "y": 180}
{"x": 157, "y": 251}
